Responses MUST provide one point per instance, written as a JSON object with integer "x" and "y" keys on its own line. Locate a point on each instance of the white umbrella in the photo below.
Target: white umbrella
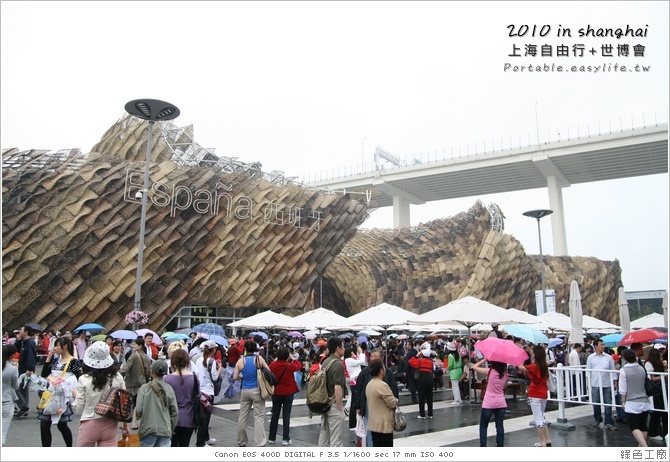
{"x": 319, "y": 318}
{"x": 518, "y": 317}
{"x": 624, "y": 314}
{"x": 590, "y": 323}
{"x": 267, "y": 319}
{"x": 466, "y": 311}
{"x": 576, "y": 314}
{"x": 647, "y": 322}
{"x": 556, "y": 321}
{"x": 384, "y": 316}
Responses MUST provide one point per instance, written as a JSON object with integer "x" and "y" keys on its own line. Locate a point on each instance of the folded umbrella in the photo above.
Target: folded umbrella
{"x": 501, "y": 350}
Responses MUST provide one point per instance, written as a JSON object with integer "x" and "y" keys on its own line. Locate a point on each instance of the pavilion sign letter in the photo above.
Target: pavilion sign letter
{"x": 180, "y": 197}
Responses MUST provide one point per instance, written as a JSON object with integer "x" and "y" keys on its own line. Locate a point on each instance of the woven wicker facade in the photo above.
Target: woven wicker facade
{"x": 71, "y": 225}
{"x": 427, "y": 266}
{"x": 224, "y": 235}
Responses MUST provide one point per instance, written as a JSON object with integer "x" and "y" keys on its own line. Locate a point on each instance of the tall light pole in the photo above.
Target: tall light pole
{"x": 152, "y": 110}
{"x": 537, "y": 214}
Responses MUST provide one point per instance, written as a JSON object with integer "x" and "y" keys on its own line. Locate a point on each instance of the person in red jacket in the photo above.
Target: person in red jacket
{"x": 283, "y": 368}
{"x": 424, "y": 384}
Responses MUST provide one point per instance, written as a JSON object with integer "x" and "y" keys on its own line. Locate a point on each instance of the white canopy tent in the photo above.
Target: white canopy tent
{"x": 380, "y": 317}
{"x": 317, "y": 319}
{"x": 265, "y": 320}
{"x": 556, "y": 321}
{"x": 590, "y": 323}
{"x": 648, "y": 321}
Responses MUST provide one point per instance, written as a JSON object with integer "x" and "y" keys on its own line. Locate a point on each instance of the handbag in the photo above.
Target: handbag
{"x": 46, "y": 394}
{"x": 551, "y": 383}
{"x": 399, "y": 420}
{"x": 116, "y": 403}
{"x": 484, "y": 385}
{"x": 266, "y": 380}
{"x": 199, "y": 416}
{"x": 129, "y": 441}
{"x": 205, "y": 403}
{"x": 651, "y": 388}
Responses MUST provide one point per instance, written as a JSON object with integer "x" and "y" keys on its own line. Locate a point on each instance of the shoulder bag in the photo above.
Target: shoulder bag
{"x": 116, "y": 403}
{"x": 651, "y": 388}
{"x": 199, "y": 416}
{"x": 266, "y": 380}
{"x": 46, "y": 394}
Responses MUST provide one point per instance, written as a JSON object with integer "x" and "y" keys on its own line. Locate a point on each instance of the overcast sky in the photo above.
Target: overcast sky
{"x": 306, "y": 86}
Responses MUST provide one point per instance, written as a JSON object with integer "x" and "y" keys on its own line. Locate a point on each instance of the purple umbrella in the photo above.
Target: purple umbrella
{"x": 294, "y": 333}
{"x": 361, "y": 339}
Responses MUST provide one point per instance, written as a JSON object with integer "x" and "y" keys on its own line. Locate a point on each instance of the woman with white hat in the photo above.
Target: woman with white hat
{"x": 100, "y": 374}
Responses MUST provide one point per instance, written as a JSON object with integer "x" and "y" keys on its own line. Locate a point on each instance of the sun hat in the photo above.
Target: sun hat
{"x": 426, "y": 352}
{"x": 209, "y": 344}
{"x": 451, "y": 346}
{"x": 159, "y": 367}
{"x": 97, "y": 356}
{"x": 232, "y": 341}
{"x": 494, "y": 324}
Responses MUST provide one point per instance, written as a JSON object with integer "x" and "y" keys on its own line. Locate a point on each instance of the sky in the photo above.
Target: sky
{"x": 302, "y": 87}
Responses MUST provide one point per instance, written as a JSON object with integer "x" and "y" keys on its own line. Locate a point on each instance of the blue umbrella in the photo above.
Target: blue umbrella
{"x": 554, "y": 342}
{"x": 220, "y": 340}
{"x": 529, "y": 334}
{"x": 92, "y": 327}
{"x": 611, "y": 340}
{"x": 209, "y": 328}
{"x": 124, "y": 334}
{"x": 174, "y": 337}
{"x": 361, "y": 339}
{"x": 262, "y": 334}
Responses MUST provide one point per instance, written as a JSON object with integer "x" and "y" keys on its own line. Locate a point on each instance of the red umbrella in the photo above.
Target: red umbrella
{"x": 504, "y": 351}
{"x": 642, "y": 336}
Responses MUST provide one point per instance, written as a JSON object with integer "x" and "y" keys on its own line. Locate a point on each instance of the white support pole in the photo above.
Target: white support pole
{"x": 557, "y": 218}
{"x": 400, "y": 212}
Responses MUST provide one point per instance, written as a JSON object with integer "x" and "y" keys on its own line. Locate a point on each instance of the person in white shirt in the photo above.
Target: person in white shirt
{"x": 602, "y": 381}
{"x": 576, "y": 375}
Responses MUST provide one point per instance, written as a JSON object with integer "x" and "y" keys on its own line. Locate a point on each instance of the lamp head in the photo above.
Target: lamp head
{"x": 538, "y": 213}
{"x": 152, "y": 109}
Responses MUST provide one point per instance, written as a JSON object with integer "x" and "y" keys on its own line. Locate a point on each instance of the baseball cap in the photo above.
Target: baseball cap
{"x": 159, "y": 367}
{"x": 495, "y": 324}
{"x": 451, "y": 346}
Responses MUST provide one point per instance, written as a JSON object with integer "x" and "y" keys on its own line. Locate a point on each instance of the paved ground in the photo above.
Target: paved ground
{"x": 454, "y": 426}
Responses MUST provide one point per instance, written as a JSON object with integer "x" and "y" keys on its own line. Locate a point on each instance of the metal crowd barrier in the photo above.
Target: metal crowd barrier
{"x": 573, "y": 386}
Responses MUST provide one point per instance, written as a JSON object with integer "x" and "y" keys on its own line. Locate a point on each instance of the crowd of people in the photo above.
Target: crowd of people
{"x": 170, "y": 384}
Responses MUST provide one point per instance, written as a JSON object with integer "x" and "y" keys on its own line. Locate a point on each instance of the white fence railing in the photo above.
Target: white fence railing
{"x": 574, "y": 387}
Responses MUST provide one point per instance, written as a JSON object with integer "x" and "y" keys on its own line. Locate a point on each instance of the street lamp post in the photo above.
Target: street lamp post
{"x": 537, "y": 214}
{"x": 152, "y": 110}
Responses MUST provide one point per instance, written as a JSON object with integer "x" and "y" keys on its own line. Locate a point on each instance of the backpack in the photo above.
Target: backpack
{"x": 218, "y": 382}
{"x": 117, "y": 404}
{"x": 318, "y": 400}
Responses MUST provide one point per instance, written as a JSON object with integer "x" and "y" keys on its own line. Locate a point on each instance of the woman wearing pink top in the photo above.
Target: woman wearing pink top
{"x": 494, "y": 403}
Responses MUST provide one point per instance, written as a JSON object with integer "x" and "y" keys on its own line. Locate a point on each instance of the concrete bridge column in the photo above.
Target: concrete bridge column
{"x": 558, "y": 217}
{"x": 400, "y": 212}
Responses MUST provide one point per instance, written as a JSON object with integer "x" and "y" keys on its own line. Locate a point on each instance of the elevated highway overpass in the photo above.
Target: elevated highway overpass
{"x": 556, "y": 165}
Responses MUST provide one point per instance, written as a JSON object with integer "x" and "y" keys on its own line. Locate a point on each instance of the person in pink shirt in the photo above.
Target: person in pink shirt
{"x": 494, "y": 403}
